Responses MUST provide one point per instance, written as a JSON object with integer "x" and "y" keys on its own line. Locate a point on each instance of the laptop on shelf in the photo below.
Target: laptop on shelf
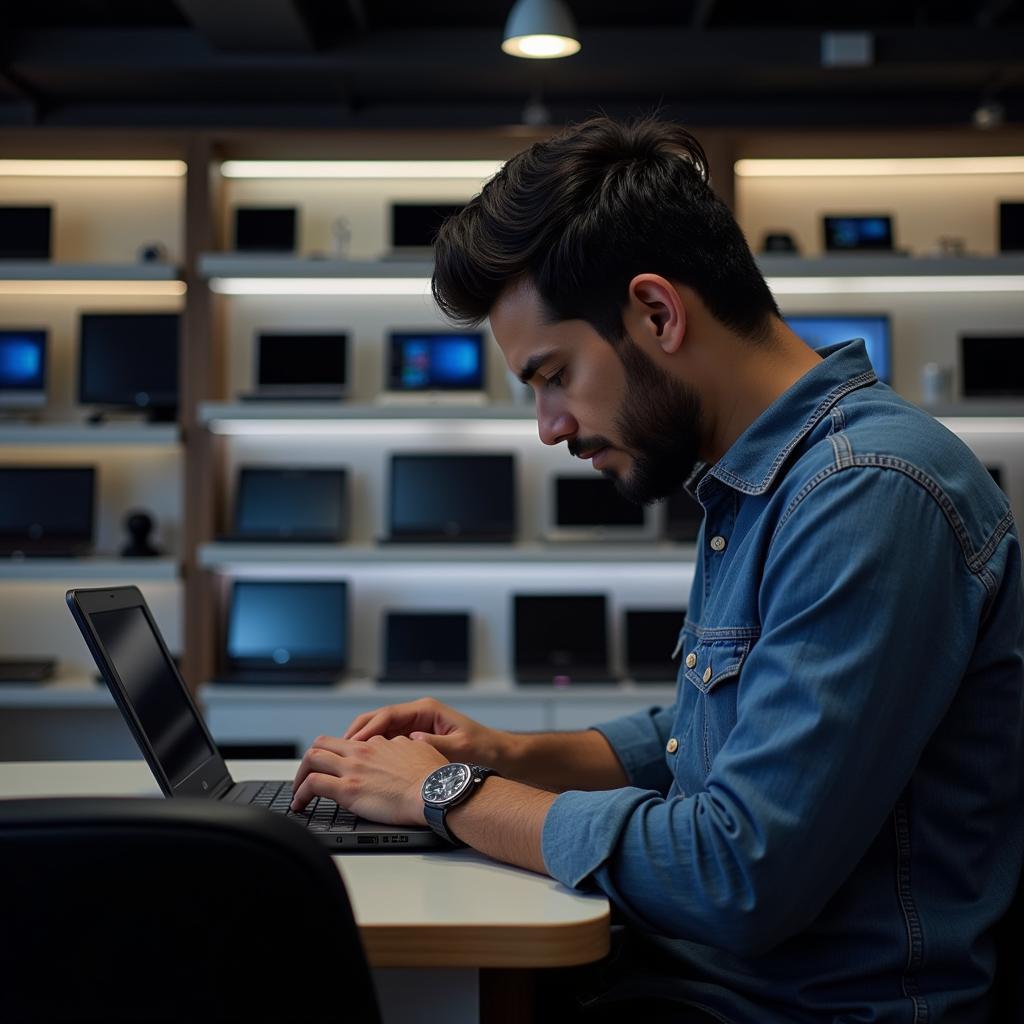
{"x": 992, "y": 365}
{"x": 290, "y": 505}
{"x": 453, "y": 498}
{"x": 650, "y": 640}
{"x": 426, "y": 648}
{"x": 27, "y": 670}
{"x": 128, "y": 649}
{"x": 435, "y": 368}
{"x": 47, "y": 511}
{"x": 852, "y": 234}
{"x": 819, "y": 330}
{"x": 414, "y": 226}
{"x": 22, "y": 368}
{"x": 286, "y": 633}
{"x": 590, "y": 508}
{"x": 683, "y": 517}
{"x": 307, "y": 365}
{"x": 561, "y": 639}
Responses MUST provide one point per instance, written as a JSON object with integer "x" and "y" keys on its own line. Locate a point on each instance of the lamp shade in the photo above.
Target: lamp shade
{"x": 540, "y": 29}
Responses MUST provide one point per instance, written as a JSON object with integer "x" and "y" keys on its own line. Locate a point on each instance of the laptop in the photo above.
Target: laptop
{"x": 1011, "y": 226}
{"x": 435, "y": 367}
{"x": 131, "y": 654}
{"x": 265, "y": 229}
{"x": 683, "y": 517}
{"x": 300, "y": 366}
{"x": 452, "y": 498}
{"x": 426, "y": 647}
{"x": 819, "y": 330}
{"x": 992, "y": 365}
{"x": 857, "y": 233}
{"x": 27, "y": 670}
{"x": 561, "y": 639}
{"x": 286, "y": 633}
{"x": 650, "y": 639}
{"x": 47, "y": 510}
{"x": 290, "y": 505}
{"x": 26, "y": 232}
{"x": 414, "y": 226}
{"x": 590, "y": 508}
{"x": 22, "y": 368}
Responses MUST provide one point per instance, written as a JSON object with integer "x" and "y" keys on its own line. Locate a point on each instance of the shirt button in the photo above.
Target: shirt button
{"x": 672, "y": 746}
{"x": 707, "y": 674}
{"x": 717, "y": 543}
{"x": 691, "y": 660}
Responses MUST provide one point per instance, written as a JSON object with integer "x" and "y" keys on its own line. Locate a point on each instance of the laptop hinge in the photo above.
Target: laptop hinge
{"x": 222, "y": 787}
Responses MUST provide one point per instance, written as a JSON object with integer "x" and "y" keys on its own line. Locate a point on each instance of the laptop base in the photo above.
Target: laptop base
{"x": 26, "y": 670}
{"x": 280, "y": 677}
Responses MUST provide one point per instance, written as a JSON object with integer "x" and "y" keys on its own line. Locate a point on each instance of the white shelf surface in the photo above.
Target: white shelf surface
{"x": 256, "y": 265}
{"x": 57, "y": 693}
{"x": 42, "y": 433}
{"x": 88, "y": 569}
{"x": 44, "y": 270}
{"x": 226, "y": 555}
{"x": 227, "y": 412}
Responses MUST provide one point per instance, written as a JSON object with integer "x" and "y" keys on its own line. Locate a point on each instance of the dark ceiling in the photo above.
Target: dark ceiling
{"x": 399, "y": 63}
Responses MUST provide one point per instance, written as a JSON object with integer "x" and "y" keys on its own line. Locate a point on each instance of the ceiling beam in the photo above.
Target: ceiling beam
{"x": 268, "y": 26}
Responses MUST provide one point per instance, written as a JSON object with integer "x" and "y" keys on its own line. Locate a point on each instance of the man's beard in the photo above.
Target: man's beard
{"x": 660, "y": 423}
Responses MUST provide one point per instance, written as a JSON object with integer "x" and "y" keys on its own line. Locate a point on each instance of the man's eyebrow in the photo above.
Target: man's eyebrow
{"x": 533, "y": 364}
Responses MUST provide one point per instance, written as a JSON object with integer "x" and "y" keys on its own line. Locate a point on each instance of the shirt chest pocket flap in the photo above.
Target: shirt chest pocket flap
{"x": 714, "y": 659}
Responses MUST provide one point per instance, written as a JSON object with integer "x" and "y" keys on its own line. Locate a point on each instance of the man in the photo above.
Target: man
{"x": 827, "y": 823}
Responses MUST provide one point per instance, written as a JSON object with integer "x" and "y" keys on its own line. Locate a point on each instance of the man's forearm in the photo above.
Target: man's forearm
{"x": 557, "y": 761}
{"x": 504, "y": 820}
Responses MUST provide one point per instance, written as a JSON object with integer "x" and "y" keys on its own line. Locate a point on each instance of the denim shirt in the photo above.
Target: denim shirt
{"x": 827, "y": 822}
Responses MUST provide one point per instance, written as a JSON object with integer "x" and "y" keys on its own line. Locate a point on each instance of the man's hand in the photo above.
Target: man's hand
{"x": 457, "y": 737}
{"x": 378, "y": 779}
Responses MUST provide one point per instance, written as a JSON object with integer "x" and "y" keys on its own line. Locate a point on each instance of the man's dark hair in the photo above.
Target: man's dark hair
{"x": 581, "y": 214}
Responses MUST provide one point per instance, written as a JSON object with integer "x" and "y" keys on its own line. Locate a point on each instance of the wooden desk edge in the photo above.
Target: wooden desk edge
{"x": 511, "y": 946}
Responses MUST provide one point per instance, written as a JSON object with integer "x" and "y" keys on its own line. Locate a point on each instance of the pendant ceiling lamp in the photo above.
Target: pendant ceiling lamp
{"x": 541, "y": 29}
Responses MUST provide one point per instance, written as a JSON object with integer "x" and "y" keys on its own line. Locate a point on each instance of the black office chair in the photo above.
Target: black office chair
{"x": 121, "y": 910}
{"x": 1009, "y": 980}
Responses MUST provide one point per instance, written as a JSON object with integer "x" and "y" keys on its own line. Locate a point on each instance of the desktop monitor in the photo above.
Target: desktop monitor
{"x": 858, "y": 233}
{"x": 291, "y": 504}
{"x": 130, "y": 361}
{"x": 25, "y": 232}
{"x": 435, "y": 361}
{"x": 561, "y": 638}
{"x": 22, "y": 368}
{"x": 1011, "y": 226}
{"x": 651, "y": 636}
{"x": 277, "y": 624}
{"x": 820, "y": 330}
{"x": 992, "y": 366}
{"x": 259, "y": 229}
{"x": 302, "y": 359}
{"x": 415, "y": 225}
{"x": 47, "y": 510}
{"x": 453, "y": 497}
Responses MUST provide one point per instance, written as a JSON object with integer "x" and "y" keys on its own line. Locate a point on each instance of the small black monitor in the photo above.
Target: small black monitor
{"x": 996, "y": 472}
{"x": 858, "y": 233}
{"x": 22, "y": 368}
{"x": 561, "y": 639}
{"x": 25, "y": 232}
{"x": 291, "y": 504}
{"x": 650, "y": 639}
{"x": 593, "y": 501}
{"x": 261, "y": 229}
{"x": 992, "y": 366}
{"x": 683, "y": 517}
{"x": 415, "y": 225}
{"x": 426, "y": 646}
{"x": 299, "y": 359}
{"x": 1011, "y": 226}
{"x": 129, "y": 361}
{"x": 47, "y": 510}
{"x": 453, "y": 497}
{"x": 436, "y": 361}
{"x": 288, "y": 624}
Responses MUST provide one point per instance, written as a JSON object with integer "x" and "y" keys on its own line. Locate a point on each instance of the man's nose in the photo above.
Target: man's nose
{"x": 554, "y": 425}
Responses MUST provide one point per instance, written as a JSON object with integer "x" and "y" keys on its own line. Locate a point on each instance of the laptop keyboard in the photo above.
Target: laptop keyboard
{"x": 319, "y": 815}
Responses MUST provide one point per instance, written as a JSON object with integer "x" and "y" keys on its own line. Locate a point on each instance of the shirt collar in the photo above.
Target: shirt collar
{"x": 755, "y": 458}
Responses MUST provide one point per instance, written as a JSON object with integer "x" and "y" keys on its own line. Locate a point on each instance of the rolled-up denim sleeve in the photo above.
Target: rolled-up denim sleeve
{"x": 639, "y": 743}
{"x": 834, "y": 705}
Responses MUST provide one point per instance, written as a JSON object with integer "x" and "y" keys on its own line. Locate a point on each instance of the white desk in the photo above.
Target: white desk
{"x": 451, "y": 928}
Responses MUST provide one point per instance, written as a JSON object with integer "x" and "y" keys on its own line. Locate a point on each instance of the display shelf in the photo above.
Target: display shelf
{"x": 42, "y": 270}
{"x": 249, "y": 265}
{"x": 69, "y": 692}
{"x": 92, "y": 568}
{"x": 888, "y": 265}
{"x": 219, "y": 416}
{"x": 88, "y": 434}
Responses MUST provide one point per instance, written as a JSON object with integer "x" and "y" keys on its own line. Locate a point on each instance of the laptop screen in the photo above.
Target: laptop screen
{"x": 439, "y": 361}
{"x": 427, "y": 639}
{"x": 302, "y": 358}
{"x": 129, "y": 360}
{"x": 650, "y": 639}
{"x": 442, "y": 496}
{"x": 260, "y": 229}
{"x": 858, "y": 234}
{"x": 683, "y": 517}
{"x": 820, "y": 331}
{"x": 22, "y": 367}
{"x": 154, "y": 690}
{"x": 288, "y": 624}
{"x": 291, "y": 503}
{"x": 47, "y": 503}
{"x": 992, "y": 366}
{"x": 560, "y": 633}
{"x": 416, "y": 225}
{"x": 593, "y": 501}
{"x": 25, "y": 232}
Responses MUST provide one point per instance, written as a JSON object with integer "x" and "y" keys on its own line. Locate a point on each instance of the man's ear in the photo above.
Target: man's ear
{"x": 655, "y": 312}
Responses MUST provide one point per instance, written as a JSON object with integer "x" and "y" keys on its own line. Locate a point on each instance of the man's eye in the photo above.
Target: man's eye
{"x": 555, "y": 380}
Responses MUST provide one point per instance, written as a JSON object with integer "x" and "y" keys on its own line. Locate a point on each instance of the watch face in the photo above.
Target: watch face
{"x": 446, "y": 783}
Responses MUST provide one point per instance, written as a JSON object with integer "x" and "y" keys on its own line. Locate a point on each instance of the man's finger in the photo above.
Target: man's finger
{"x": 319, "y": 784}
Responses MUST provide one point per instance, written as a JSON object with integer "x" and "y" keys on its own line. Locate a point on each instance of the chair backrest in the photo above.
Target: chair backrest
{"x": 172, "y": 910}
{"x": 1009, "y": 981}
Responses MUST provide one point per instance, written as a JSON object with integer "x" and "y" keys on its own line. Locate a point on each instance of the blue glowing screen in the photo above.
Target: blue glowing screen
{"x": 444, "y": 362}
{"x": 22, "y": 360}
{"x": 819, "y": 331}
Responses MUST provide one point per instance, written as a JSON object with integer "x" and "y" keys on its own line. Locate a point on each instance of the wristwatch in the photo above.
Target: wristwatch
{"x": 447, "y": 787}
